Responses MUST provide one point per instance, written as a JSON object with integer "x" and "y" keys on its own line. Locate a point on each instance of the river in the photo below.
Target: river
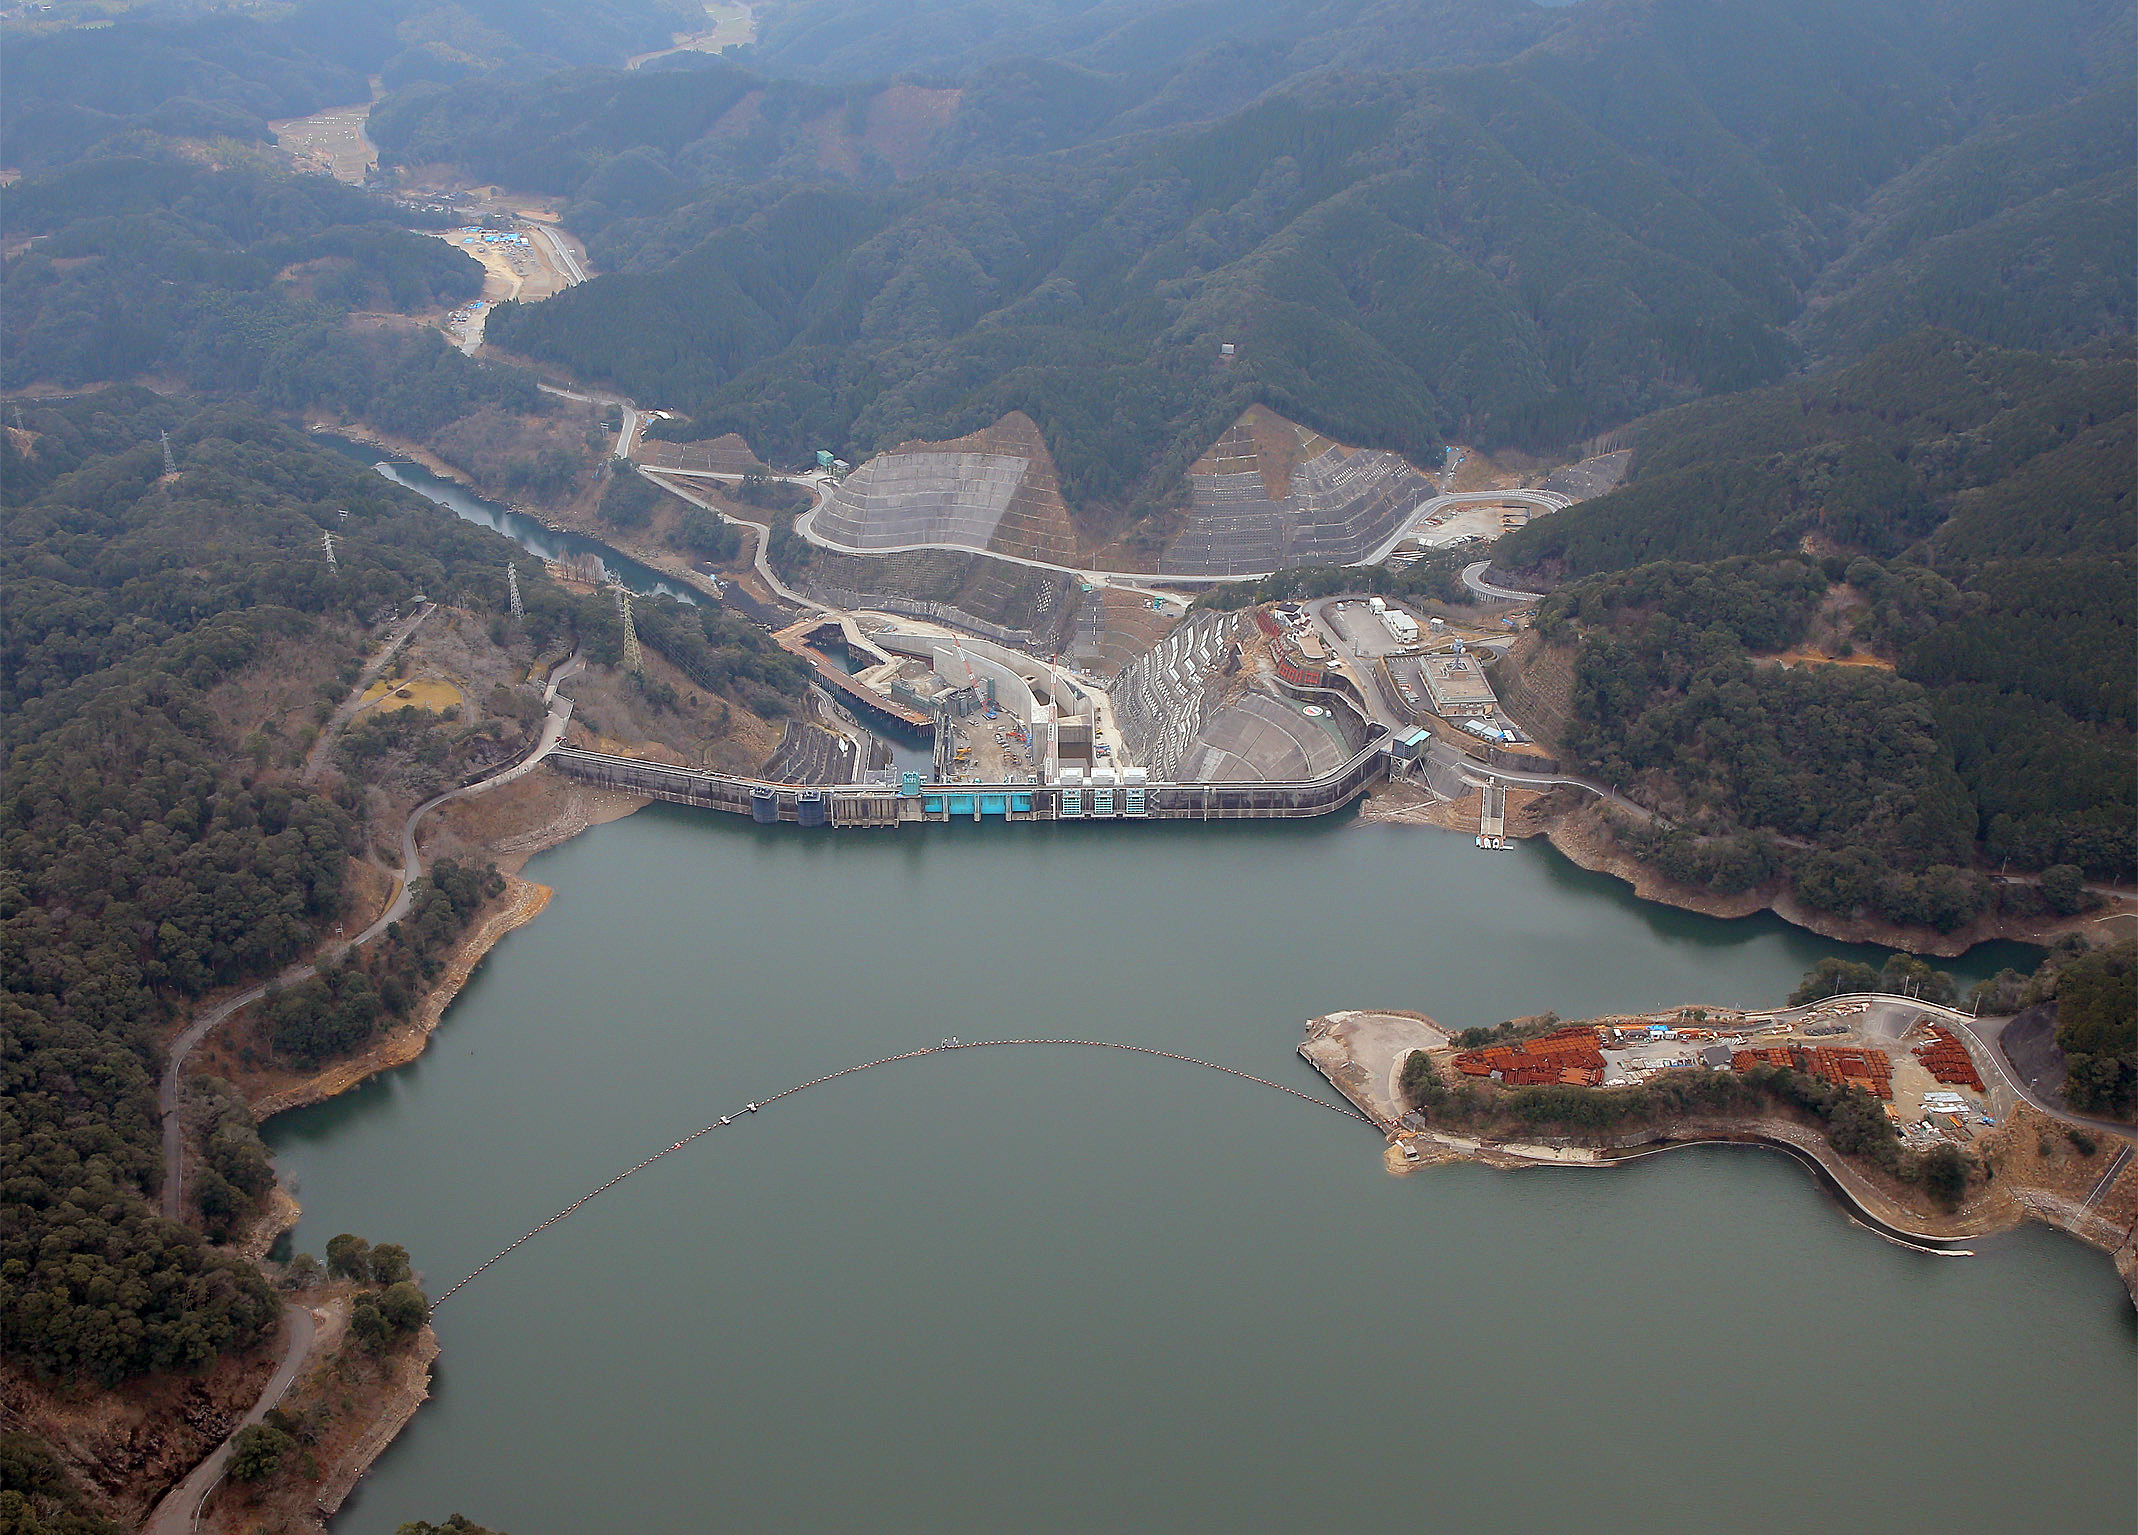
{"x": 1075, "y": 1290}
{"x": 528, "y": 532}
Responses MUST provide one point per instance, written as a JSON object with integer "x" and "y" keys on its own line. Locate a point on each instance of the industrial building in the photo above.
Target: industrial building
{"x": 1457, "y": 685}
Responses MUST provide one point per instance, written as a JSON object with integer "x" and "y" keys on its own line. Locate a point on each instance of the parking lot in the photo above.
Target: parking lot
{"x": 1359, "y": 632}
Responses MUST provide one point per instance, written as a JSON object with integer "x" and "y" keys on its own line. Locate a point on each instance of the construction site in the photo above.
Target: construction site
{"x": 970, "y": 644}
{"x": 1276, "y": 712}
{"x": 1916, "y": 1061}
{"x": 1917, "y": 1066}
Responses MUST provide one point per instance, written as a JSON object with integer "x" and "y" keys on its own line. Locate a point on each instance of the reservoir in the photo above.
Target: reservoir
{"x": 1075, "y": 1290}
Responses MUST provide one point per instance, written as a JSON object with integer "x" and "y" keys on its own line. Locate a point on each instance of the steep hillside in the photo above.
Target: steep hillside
{"x": 1635, "y": 206}
{"x": 2025, "y": 454}
{"x": 223, "y": 74}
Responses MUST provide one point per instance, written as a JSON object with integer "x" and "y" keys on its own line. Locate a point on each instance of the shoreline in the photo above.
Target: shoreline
{"x": 1570, "y": 833}
{"x": 1999, "y": 1207}
{"x": 523, "y": 901}
{"x": 1585, "y": 848}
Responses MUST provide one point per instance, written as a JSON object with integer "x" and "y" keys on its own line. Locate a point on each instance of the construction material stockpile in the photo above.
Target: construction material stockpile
{"x": 1570, "y": 1057}
{"x": 1947, "y": 1059}
{"x": 1871, "y": 1070}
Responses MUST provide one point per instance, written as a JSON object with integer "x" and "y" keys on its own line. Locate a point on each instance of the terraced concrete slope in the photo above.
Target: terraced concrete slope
{"x": 1271, "y": 493}
{"x": 993, "y": 492}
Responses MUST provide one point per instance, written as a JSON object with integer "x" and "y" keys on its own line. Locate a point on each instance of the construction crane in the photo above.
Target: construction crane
{"x": 972, "y": 678}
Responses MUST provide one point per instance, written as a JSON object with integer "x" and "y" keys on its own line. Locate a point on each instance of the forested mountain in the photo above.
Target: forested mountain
{"x": 226, "y": 73}
{"x": 155, "y": 843}
{"x": 1982, "y": 451}
{"x": 1192, "y": 40}
{"x": 239, "y": 281}
{"x": 1998, "y": 488}
{"x": 1645, "y": 204}
{"x": 1866, "y": 788}
{"x": 145, "y": 859}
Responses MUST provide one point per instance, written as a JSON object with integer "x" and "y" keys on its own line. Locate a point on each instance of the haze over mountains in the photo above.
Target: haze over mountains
{"x": 1852, "y": 279}
{"x": 1514, "y": 227}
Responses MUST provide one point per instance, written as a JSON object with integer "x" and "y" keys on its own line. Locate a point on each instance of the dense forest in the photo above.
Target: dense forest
{"x": 1869, "y": 788}
{"x": 237, "y": 280}
{"x": 146, "y": 859}
{"x": 1188, "y": 49}
{"x": 226, "y": 74}
{"x": 1502, "y": 253}
{"x": 150, "y": 852}
{"x": 1985, "y": 452}
{"x": 1975, "y": 506}
{"x": 2097, "y": 1029}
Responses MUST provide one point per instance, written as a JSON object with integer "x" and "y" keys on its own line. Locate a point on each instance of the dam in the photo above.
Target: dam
{"x": 1121, "y": 795}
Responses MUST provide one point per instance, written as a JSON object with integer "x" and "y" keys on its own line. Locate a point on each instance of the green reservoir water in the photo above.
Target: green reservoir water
{"x": 1075, "y": 1290}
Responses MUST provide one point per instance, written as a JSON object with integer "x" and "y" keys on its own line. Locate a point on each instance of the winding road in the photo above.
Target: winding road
{"x": 667, "y": 480}
{"x": 180, "y": 1507}
{"x": 1473, "y": 576}
{"x": 170, "y": 1090}
{"x": 1148, "y": 583}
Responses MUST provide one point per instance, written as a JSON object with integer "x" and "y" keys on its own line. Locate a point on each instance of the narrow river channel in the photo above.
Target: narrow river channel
{"x": 1075, "y": 1291}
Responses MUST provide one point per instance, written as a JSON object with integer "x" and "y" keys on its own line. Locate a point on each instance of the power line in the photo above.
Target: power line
{"x": 634, "y": 658}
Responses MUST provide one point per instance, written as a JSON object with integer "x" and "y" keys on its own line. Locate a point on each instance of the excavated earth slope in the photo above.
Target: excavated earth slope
{"x": 1271, "y": 494}
{"x": 994, "y": 491}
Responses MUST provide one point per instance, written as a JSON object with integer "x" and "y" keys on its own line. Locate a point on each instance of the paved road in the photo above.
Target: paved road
{"x": 1473, "y": 576}
{"x": 667, "y": 480}
{"x": 317, "y": 757}
{"x": 566, "y": 262}
{"x": 1989, "y": 1032}
{"x": 805, "y": 528}
{"x": 180, "y": 1507}
{"x": 805, "y": 525}
{"x": 170, "y": 1090}
{"x": 1538, "y": 500}
{"x": 1898, "y": 1012}
{"x": 1447, "y": 756}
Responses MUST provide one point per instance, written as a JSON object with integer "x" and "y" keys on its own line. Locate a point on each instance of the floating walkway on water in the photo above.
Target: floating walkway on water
{"x": 916, "y": 801}
{"x": 911, "y": 1055}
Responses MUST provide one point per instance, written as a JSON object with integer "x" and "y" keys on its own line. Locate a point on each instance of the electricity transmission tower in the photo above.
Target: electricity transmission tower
{"x": 512, "y": 589}
{"x": 634, "y": 659}
{"x": 170, "y": 463}
{"x": 333, "y": 565}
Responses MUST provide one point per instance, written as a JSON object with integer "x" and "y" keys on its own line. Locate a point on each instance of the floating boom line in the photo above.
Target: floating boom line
{"x": 911, "y": 1055}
